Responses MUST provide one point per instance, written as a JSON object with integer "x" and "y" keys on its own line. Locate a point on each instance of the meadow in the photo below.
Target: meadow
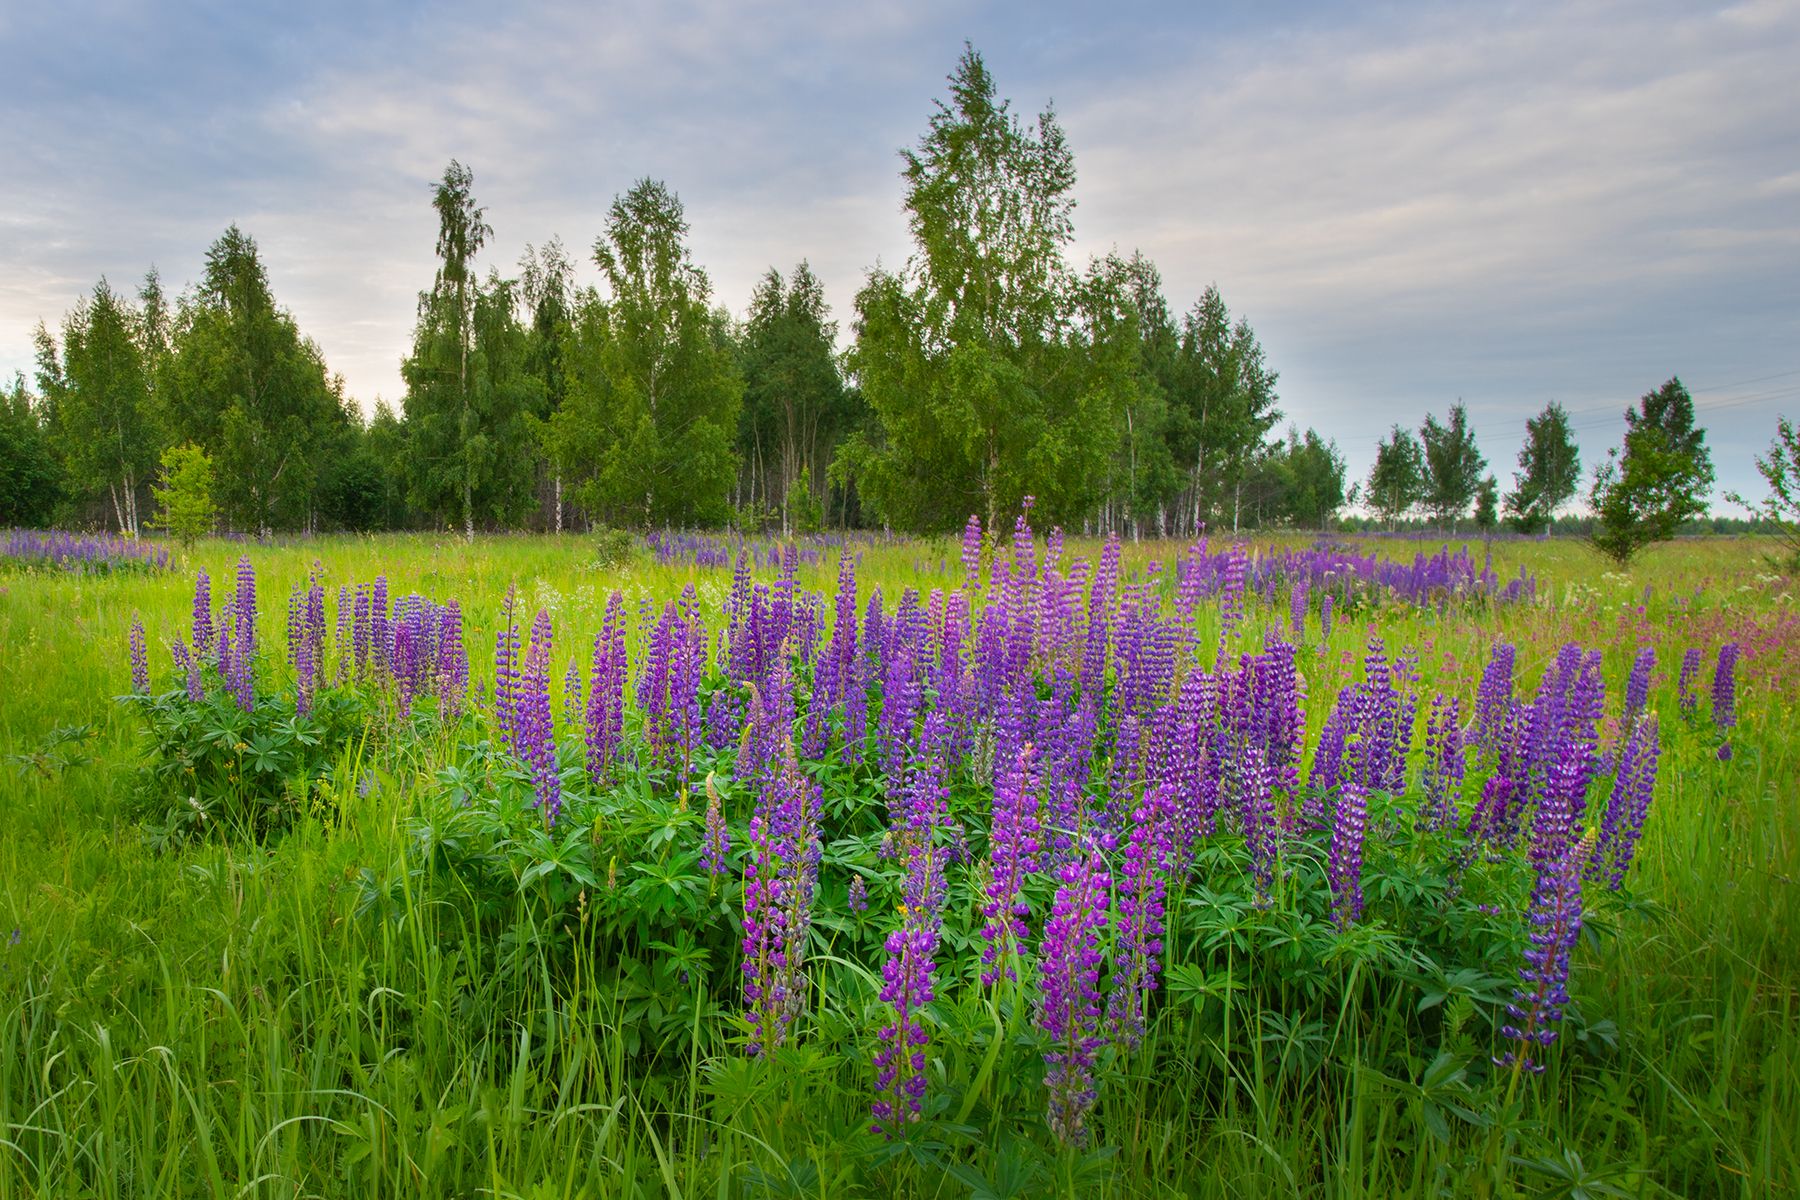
{"x": 1124, "y": 873}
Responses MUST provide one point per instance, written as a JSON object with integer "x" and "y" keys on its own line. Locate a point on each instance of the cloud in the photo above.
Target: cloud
{"x": 1410, "y": 204}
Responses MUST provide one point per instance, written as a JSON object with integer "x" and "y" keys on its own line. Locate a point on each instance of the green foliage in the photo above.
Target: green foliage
{"x": 1126, "y": 344}
{"x": 1644, "y": 494}
{"x": 614, "y": 547}
{"x": 185, "y": 494}
{"x": 1313, "y": 479}
{"x": 796, "y": 408}
{"x": 1397, "y": 480}
{"x": 1487, "y": 506}
{"x": 645, "y": 431}
{"x": 1781, "y": 507}
{"x": 962, "y": 355}
{"x": 1221, "y": 408}
{"x": 1453, "y": 466}
{"x": 243, "y": 383}
{"x": 101, "y": 397}
{"x": 468, "y": 390}
{"x": 1549, "y": 471}
{"x": 210, "y": 768}
{"x": 30, "y": 477}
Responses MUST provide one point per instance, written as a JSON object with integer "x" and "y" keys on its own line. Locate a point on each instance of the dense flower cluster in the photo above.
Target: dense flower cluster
{"x": 780, "y": 883}
{"x": 1069, "y": 982}
{"x": 1095, "y": 736}
{"x": 83, "y": 553}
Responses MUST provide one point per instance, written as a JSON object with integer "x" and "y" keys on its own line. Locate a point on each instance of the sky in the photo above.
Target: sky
{"x": 1412, "y": 204}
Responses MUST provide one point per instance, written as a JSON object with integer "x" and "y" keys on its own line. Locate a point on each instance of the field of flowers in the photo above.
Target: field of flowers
{"x": 865, "y": 867}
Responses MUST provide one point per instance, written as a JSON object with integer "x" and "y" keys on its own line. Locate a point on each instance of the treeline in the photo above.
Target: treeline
{"x": 986, "y": 369}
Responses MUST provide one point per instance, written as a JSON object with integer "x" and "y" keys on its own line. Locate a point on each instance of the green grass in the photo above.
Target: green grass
{"x": 223, "y": 1021}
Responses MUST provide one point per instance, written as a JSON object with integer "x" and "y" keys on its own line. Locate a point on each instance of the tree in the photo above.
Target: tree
{"x": 453, "y": 456}
{"x": 1397, "y": 480}
{"x": 1487, "y": 506}
{"x": 962, "y": 356}
{"x": 1221, "y": 404}
{"x": 240, "y": 381}
{"x": 102, "y": 402}
{"x": 1781, "y": 508}
{"x": 1453, "y": 465}
{"x": 795, "y": 405}
{"x": 184, "y": 494}
{"x": 1124, "y": 342}
{"x": 646, "y": 427}
{"x": 547, "y": 291}
{"x": 1316, "y": 474}
{"x": 1549, "y": 471}
{"x": 1642, "y": 494}
{"x": 30, "y": 478}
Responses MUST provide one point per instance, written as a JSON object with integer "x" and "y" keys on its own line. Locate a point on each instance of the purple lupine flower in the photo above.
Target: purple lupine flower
{"x": 452, "y": 662}
{"x": 361, "y": 631}
{"x": 1493, "y": 697}
{"x": 1256, "y": 815}
{"x": 140, "y": 658}
{"x": 1684, "y": 684}
{"x": 203, "y": 619}
{"x": 971, "y": 555}
{"x": 1297, "y": 609}
{"x": 1637, "y": 686}
{"x": 669, "y": 688}
{"x": 1724, "y": 687}
{"x": 780, "y": 878}
{"x": 1013, "y": 852}
{"x": 1325, "y": 618}
{"x": 1149, "y": 851}
{"x": 1069, "y": 982}
{"x": 573, "y": 710}
{"x": 240, "y": 672}
{"x": 189, "y": 666}
{"x": 1554, "y": 926}
{"x": 858, "y": 894}
{"x": 912, "y": 948}
{"x": 901, "y": 1061}
{"x": 506, "y": 671}
{"x": 535, "y": 736}
{"x": 715, "y": 843}
{"x": 1349, "y": 820}
{"x": 606, "y": 691}
{"x": 381, "y": 638}
{"x": 1623, "y": 822}
{"x": 1444, "y": 764}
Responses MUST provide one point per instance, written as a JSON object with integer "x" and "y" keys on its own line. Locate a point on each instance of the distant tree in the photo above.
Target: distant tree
{"x": 1316, "y": 475}
{"x": 1487, "y": 506}
{"x": 976, "y": 392}
{"x": 184, "y": 494}
{"x": 546, "y": 289}
{"x": 1642, "y": 494}
{"x": 241, "y": 381}
{"x": 1549, "y": 471}
{"x": 103, "y": 402}
{"x": 1397, "y": 480}
{"x": 1781, "y": 508}
{"x": 453, "y": 456}
{"x": 645, "y": 431}
{"x": 1123, "y": 344}
{"x": 1453, "y": 466}
{"x": 795, "y": 404}
{"x": 1222, "y": 405}
{"x": 30, "y": 477}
